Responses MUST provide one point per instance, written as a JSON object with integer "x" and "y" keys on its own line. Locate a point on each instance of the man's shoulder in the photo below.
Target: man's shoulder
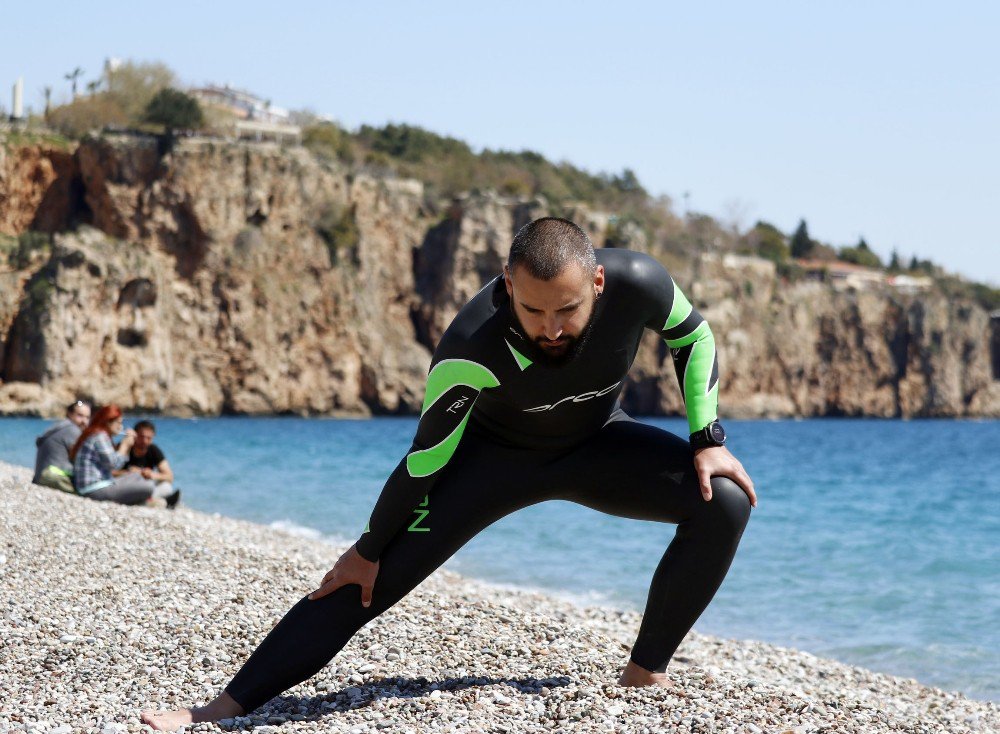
{"x": 639, "y": 285}
{"x": 630, "y": 266}
{"x": 58, "y": 429}
{"x": 475, "y": 325}
{"x": 476, "y": 334}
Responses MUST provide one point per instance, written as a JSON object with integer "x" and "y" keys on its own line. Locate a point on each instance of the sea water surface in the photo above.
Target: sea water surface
{"x": 875, "y": 542}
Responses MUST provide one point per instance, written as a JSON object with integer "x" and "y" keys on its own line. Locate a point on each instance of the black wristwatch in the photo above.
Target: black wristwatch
{"x": 711, "y": 435}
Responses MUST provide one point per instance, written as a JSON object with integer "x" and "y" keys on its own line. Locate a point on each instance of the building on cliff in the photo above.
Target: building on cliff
{"x": 253, "y": 117}
{"x": 841, "y": 275}
{"x": 910, "y": 283}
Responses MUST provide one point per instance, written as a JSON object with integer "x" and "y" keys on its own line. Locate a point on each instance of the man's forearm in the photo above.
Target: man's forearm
{"x": 399, "y": 496}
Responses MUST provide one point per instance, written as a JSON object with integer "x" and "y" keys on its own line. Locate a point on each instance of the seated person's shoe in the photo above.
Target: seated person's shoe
{"x": 173, "y": 498}
{"x": 157, "y": 502}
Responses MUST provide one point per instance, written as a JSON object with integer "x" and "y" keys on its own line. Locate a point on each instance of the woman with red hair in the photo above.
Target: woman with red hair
{"x": 95, "y": 458}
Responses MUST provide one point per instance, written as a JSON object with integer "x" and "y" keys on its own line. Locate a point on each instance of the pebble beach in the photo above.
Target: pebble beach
{"x": 108, "y": 610}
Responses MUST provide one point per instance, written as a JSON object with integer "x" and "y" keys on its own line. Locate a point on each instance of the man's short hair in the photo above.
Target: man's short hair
{"x": 145, "y": 424}
{"x": 76, "y": 404}
{"x": 545, "y": 246}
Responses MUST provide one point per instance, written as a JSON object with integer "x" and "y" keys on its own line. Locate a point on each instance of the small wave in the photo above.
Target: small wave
{"x": 582, "y": 598}
{"x": 302, "y": 531}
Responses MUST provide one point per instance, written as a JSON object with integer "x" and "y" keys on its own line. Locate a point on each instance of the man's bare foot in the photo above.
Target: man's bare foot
{"x": 223, "y": 707}
{"x": 168, "y": 720}
{"x": 636, "y": 677}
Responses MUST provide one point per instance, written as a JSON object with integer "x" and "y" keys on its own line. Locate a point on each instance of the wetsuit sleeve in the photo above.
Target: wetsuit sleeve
{"x": 453, "y": 384}
{"x": 691, "y": 343}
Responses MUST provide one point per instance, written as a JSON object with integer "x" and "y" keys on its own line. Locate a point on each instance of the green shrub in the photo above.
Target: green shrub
{"x": 87, "y": 114}
{"x": 174, "y": 110}
{"x": 26, "y": 249}
{"x": 768, "y": 242}
{"x": 327, "y": 140}
{"x": 790, "y": 271}
{"x": 133, "y": 84}
{"x": 338, "y": 228}
{"x": 956, "y": 288}
{"x": 860, "y": 255}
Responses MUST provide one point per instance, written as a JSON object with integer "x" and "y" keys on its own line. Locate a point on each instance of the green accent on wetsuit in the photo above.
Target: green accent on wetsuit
{"x": 426, "y": 462}
{"x": 700, "y": 398}
{"x": 696, "y": 367}
{"x": 679, "y": 309}
{"x": 447, "y": 374}
{"x": 694, "y": 336}
{"x": 522, "y": 361}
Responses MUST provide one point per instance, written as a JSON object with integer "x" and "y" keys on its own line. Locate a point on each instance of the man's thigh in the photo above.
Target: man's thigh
{"x": 482, "y": 483}
{"x": 633, "y": 470}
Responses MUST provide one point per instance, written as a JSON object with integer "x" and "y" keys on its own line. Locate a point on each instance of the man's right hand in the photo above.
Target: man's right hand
{"x": 351, "y": 568}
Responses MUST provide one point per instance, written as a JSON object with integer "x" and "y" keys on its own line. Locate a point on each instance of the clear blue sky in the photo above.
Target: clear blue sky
{"x": 874, "y": 119}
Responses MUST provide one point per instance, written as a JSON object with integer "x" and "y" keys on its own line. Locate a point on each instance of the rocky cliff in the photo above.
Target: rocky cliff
{"x": 248, "y": 278}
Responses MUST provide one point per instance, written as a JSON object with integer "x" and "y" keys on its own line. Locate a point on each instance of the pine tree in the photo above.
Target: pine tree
{"x": 801, "y": 244}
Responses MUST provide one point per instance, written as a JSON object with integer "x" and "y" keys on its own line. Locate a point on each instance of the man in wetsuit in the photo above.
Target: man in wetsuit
{"x": 521, "y": 406}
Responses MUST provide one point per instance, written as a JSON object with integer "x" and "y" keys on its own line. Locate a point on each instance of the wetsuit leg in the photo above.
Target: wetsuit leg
{"x": 470, "y": 495}
{"x": 633, "y": 470}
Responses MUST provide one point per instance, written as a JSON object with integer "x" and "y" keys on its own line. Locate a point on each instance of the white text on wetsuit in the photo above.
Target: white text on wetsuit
{"x": 457, "y": 404}
{"x": 589, "y": 395}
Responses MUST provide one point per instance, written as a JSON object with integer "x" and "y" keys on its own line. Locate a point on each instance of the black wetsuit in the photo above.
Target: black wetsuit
{"x": 501, "y": 430}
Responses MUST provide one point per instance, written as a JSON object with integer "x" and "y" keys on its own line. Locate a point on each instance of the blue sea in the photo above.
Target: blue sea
{"x": 875, "y": 542}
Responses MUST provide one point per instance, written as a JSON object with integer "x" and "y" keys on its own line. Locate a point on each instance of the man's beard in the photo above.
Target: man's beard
{"x": 574, "y": 344}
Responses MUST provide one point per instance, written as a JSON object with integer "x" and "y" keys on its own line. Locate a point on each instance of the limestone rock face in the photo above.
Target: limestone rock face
{"x": 251, "y": 278}
{"x": 805, "y": 349}
{"x": 467, "y": 249}
{"x": 38, "y": 188}
{"x": 209, "y": 288}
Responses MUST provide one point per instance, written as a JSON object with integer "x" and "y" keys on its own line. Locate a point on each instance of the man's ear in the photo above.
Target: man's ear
{"x": 507, "y": 281}
{"x": 599, "y": 280}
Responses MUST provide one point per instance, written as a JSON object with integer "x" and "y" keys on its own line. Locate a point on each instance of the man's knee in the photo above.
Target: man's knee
{"x": 731, "y": 503}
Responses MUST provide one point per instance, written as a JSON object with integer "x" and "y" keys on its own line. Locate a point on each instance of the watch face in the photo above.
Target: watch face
{"x": 718, "y": 432}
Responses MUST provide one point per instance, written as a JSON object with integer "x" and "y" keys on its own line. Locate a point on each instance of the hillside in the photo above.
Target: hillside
{"x": 250, "y": 278}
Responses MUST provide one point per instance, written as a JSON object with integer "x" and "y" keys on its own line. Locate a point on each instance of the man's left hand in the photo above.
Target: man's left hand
{"x": 716, "y": 461}
{"x": 147, "y": 473}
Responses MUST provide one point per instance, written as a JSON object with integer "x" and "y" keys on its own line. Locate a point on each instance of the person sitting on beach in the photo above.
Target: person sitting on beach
{"x": 147, "y": 459}
{"x": 53, "y": 467}
{"x": 95, "y": 459}
{"x": 521, "y": 406}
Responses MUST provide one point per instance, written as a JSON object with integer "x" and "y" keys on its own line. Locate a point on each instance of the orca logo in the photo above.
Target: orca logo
{"x": 589, "y": 395}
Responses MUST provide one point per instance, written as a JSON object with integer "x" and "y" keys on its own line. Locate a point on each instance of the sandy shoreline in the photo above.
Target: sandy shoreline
{"x": 107, "y": 610}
